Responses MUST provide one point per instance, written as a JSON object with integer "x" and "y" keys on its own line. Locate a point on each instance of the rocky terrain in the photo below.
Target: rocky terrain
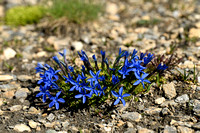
{"x": 146, "y": 25}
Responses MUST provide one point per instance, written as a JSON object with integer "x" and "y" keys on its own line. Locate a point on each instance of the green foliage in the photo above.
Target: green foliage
{"x": 76, "y": 10}
{"x": 23, "y": 15}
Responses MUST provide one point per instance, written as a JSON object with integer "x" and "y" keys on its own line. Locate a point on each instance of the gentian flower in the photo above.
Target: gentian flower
{"x": 43, "y": 93}
{"x": 141, "y": 79}
{"x": 134, "y": 53}
{"x": 115, "y": 79}
{"x": 83, "y": 94}
{"x": 124, "y": 71}
{"x": 55, "y": 58}
{"x": 120, "y": 96}
{"x": 148, "y": 58}
{"x": 39, "y": 68}
{"x": 101, "y": 91}
{"x": 162, "y": 67}
{"x": 92, "y": 89}
{"x": 55, "y": 100}
{"x": 69, "y": 78}
{"x": 71, "y": 68}
{"x": 64, "y": 53}
{"x": 95, "y": 77}
{"x": 76, "y": 84}
{"x": 142, "y": 55}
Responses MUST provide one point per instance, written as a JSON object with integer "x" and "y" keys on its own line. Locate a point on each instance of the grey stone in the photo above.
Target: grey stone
{"x": 169, "y": 89}
{"x": 182, "y": 129}
{"x": 160, "y": 100}
{"x": 24, "y": 77}
{"x": 170, "y": 129}
{"x": 65, "y": 124}
{"x": 198, "y": 88}
{"x": 182, "y": 99}
{"x": 16, "y": 108}
{"x": 51, "y": 131}
{"x": 6, "y": 87}
{"x": 133, "y": 116}
{"x": 22, "y": 128}
{"x": 131, "y": 130}
{"x": 9, "y": 53}
{"x": 152, "y": 110}
{"x": 32, "y": 124}
{"x": 51, "y": 117}
{"x": 165, "y": 111}
{"x": 20, "y": 94}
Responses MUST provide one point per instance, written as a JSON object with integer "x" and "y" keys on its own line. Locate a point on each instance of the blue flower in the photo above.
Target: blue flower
{"x": 71, "y": 68}
{"x": 162, "y": 67}
{"x": 55, "y": 58}
{"x": 94, "y": 58}
{"x": 142, "y": 55}
{"x": 101, "y": 91}
{"x": 115, "y": 79}
{"x": 69, "y": 78}
{"x": 83, "y": 94}
{"x": 83, "y": 56}
{"x": 39, "y": 68}
{"x": 92, "y": 89}
{"x": 141, "y": 79}
{"x": 43, "y": 93}
{"x": 83, "y": 68}
{"x": 120, "y": 96}
{"x": 124, "y": 71}
{"x": 103, "y": 53}
{"x": 95, "y": 77}
{"x": 64, "y": 53}
{"x": 134, "y": 53}
{"x": 56, "y": 100}
{"x": 76, "y": 84}
{"x": 148, "y": 58}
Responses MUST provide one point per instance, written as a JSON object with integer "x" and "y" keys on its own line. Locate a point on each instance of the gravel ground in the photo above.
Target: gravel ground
{"x": 146, "y": 25}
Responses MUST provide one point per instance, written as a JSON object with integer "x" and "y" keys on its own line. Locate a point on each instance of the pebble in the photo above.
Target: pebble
{"x": 131, "y": 130}
{"x": 51, "y": 131}
{"x": 9, "y": 94}
{"x": 160, "y": 100}
{"x": 6, "y": 77}
{"x": 20, "y": 94}
{"x": 196, "y": 126}
{"x": 65, "y": 124}
{"x": 16, "y": 108}
{"x": 24, "y": 77}
{"x": 51, "y": 117}
{"x": 22, "y": 128}
{"x": 132, "y": 116}
{"x": 9, "y": 53}
{"x": 152, "y": 110}
{"x": 145, "y": 130}
{"x": 169, "y": 89}
{"x": 33, "y": 110}
{"x": 32, "y": 124}
{"x": 77, "y": 45}
{"x": 194, "y": 32}
{"x": 169, "y": 129}
{"x": 182, "y": 99}
{"x": 182, "y": 129}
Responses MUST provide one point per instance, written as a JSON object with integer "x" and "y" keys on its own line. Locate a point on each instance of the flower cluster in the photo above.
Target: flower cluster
{"x": 96, "y": 80}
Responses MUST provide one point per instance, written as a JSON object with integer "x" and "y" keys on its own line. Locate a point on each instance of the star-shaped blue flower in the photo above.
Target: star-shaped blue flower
{"x": 95, "y": 77}
{"x": 56, "y": 100}
{"x": 120, "y": 96}
{"x": 83, "y": 95}
{"x": 43, "y": 93}
{"x": 141, "y": 79}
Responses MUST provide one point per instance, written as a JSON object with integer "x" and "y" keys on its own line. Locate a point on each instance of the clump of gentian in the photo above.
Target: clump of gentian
{"x": 95, "y": 79}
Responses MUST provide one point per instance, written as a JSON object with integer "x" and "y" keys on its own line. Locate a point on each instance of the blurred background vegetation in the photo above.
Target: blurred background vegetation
{"x": 77, "y": 11}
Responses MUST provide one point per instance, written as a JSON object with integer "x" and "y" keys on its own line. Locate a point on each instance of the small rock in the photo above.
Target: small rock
{"x": 9, "y": 94}
{"x": 188, "y": 64}
{"x": 169, "y": 89}
{"x": 22, "y": 128}
{"x": 131, "y": 130}
{"x": 7, "y": 87}
{"x": 16, "y": 108}
{"x": 111, "y": 8}
{"x": 182, "y": 99}
{"x": 1, "y": 101}
{"x": 33, "y": 110}
{"x": 152, "y": 110}
{"x": 196, "y": 126}
{"x": 9, "y": 53}
{"x": 198, "y": 87}
{"x": 167, "y": 103}
{"x": 107, "y": 129}
{"x": 51, "y": 131}
{"x": 65, "y": 124}
{"x": 132, "y": 116}
{"x": 77, "y": 45}
{"x": 194, "y": 32}
{"x": 165, "y": 111}
{"x": 6, "y": 77}
{"x": 20, "y": 94}
{"x": 169, "y": 129}
{"x": 24, "y": 77}
{"x": 182, "y": 129}
{"x": 49, "y": 125}
{"x": 129, "y": 124}
{"x": 32, "y": 124}
{"x": 61, "y": 44}
{"x": 145, "y": 130}
{"x": 160, "y": 100}
{"x": 51, "y": 117}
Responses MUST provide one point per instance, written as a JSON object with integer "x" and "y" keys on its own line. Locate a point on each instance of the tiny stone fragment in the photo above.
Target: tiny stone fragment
{"x": 133, "y": 116}
{"x": 170, "y": 129}
{"x": 169, "y": 89}
{"x": 182, "y": 99}
{"x": 22, "y": 128}
{"x": 160, "y": 100}
{"x": 152, "y": 110}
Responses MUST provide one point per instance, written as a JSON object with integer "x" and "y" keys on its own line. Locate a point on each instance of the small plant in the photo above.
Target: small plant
{"x": 76, "y": 10}
{"x": 146, "y": 23}
{"x": 23, "y": 15}
{"x": 98, "y": 82}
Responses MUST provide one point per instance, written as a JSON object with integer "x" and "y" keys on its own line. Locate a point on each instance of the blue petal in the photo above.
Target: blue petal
{"x": 117, "y": 101}
{"x": 79, "y": 96}
{"x": 120, "y": 91}
{"x": 39, "y": 94}
{"x": 51, "y": 104}
{"x": 125, "y": 95}
{"x": 147, "y": 81}
{"x": 92, "y": 74}
{"x": 123, "y": 101}
{"x": 114, "y": 94}
{"x": 72, "y": 89}
{"x": 98, "y": 73}
{"x": 57, "y": 105}
{"x": 57, "y": 94}
{"x": 61, "y": 100}
{"x": 144, "y": 75}
{"x": 44, "y": 98}
{"x": 137, "y": 82}
{"x": 84, "y": 99}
